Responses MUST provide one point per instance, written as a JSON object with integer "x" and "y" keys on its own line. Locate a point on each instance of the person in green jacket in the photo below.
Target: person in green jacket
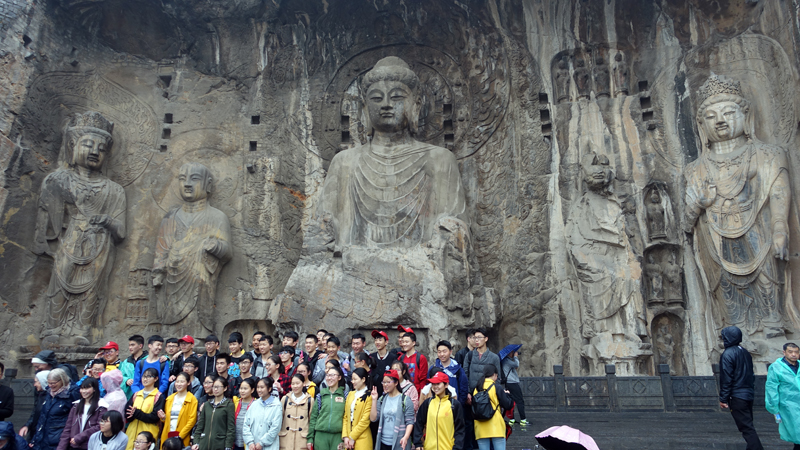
{"x": 783, "y": 393}
{"x": 135, "y": 346}
{"x": 216, "y": 426}
{"x": 327, "y": 412}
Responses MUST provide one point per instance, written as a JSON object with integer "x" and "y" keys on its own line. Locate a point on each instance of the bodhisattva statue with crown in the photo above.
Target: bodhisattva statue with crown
{"x": 80, "y": 221}
{"x": 738, "y": 198}
{"x": 390, "y": 229}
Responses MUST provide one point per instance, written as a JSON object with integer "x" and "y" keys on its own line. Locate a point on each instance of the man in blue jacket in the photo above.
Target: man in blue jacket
{"x": 737, "y": 385}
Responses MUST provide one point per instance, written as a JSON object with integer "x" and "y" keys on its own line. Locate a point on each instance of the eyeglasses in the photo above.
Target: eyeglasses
{"x": 216, "y": 386}
{"x": 140, "y": 442}
{"x": 147, "y": 376}
{"x": 331, "y": 375}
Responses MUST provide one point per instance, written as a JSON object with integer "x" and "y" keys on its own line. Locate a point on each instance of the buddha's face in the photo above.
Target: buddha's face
{"x": 597, "y": 175}
{"x": 723, "y": 121}
{"x": 389, "y": 105}
{"x": 193, "y": 183}
{"x": 90, "y": 151}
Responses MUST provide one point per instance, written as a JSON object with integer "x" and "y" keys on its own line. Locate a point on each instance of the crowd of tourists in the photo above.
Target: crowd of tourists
{"x": 293, "y": 396}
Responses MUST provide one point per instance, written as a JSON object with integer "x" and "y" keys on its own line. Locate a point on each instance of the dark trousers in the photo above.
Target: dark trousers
{"x": 742, "y": 412}
{"x": 469, "y": 428}
{"x": 516, "y": 395}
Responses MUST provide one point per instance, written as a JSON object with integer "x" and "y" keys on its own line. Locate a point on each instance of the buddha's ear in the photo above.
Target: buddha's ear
{"x": 365, "y": 120}
{"x": 413, "y": 116}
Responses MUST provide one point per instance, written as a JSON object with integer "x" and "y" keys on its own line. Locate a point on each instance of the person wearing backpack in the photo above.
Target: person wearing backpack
{"x": 394, "y": 413}
{"x": 445, "y": 416}
{"x": 152, "y": 360}
{"x": 327, "y": 413}
{"x": 355, "y": 425}
{"x": 487, "y": 401}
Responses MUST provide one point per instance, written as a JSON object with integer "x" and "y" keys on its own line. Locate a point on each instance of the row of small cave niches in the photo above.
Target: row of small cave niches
{"x": 447, "y": 126}
{"x": 166, "y": 132}
{"x": 645, "y": 103}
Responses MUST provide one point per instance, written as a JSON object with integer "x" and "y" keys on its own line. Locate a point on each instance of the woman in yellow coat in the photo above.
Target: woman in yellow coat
{"x": 180, "y": 412}
{"x": 142, "y": 409}
{"x": 492, "y": 433}
{"x": 355, "y": 423}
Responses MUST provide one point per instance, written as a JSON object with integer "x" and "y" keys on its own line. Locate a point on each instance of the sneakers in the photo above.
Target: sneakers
{"x": 523, "y": 422}
{"x": 512, "y": 421}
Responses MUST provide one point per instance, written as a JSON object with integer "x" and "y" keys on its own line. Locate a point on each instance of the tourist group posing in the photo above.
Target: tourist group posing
{"x": 312, "y": 396}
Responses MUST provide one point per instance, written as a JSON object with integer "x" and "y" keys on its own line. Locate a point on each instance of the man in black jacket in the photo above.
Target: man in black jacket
{"x": 6, "y": 398}
{"x": 737, "y": 385}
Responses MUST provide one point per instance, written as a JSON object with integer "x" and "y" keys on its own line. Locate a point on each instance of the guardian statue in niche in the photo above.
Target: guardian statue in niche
{"x": 583, "y": 80}
{"x": 737, "y": 205}
{"x": 602, "y": 84}
{"x": 194, "y": 242}
{"x": 656, "y": 217}
{"x": 80, "y": 221}
{"x": 612, "y": 308}
{"x": 562, "y": 81}
{"x": 390, "y": 235}
{"x": 621, "y": 77}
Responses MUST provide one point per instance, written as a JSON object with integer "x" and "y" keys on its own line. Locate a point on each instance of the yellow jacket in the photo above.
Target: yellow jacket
{"x": 496, "y": 426}
{"x": 440, "y": 423}
{"x": 186, "y": 418}
{"x": 311, "y": 390}
{"x": 358, "y": 430}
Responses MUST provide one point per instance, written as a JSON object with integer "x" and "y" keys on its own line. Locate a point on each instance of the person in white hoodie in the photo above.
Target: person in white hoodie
{"x": 264, "y": 418}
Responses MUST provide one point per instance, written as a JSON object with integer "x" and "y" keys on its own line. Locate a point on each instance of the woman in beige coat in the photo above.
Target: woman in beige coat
{"x": 296, "y": 411}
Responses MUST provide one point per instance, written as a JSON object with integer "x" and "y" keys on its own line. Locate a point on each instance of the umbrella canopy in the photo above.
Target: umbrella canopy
{"x": 565, "y": 438}
{"x": 507, "y": 350}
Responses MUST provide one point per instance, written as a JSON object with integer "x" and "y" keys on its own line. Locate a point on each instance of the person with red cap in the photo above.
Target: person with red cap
{"x": 382, "y": 358}
{"x": 108, "y": 352}
{"x": 394, "y": 413}
{"x": 187, "y": 349}
{"x": 443, "y": 414}
{"x": 417, "y": 363}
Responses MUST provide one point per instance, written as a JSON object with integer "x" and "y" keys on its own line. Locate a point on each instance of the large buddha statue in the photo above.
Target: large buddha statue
{"x": 392, "y": 191}
{"x": 737, "y": 206}
{"x": 389, "y": 239}
{"x": 81, "y": 219}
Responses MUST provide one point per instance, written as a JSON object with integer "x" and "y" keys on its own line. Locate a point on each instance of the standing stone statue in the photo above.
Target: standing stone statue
{"x": 194, "y": 242}
{"x": 654, "y": 273}
{"x": 665, "y": 346}
{"x": 672, "y": 272}
{"x": 611, "y": 302}
{"x": 737, "y": 205}
{"x": 392, "y": 191}
{"x": 562, "y": 81}
{"x": 82, "y": 215}
{"x": 602, "y": 81}
{"x": 621, "y": 78}
{"x": 583, "y": 82}
{"x": 656, "y": 223}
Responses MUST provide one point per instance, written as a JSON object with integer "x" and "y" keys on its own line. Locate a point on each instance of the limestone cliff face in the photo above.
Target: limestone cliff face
{"x": 265, "y": 94}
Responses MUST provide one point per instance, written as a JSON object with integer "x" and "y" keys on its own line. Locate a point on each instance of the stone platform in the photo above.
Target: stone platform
{"x": 652, "y": 430}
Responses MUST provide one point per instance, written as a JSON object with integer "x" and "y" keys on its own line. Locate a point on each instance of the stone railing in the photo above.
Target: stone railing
{"x": 638, "y": 393}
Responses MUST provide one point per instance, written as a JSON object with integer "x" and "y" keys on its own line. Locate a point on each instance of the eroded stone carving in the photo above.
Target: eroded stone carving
{"x": 583, "y": 81}
{"x": 655, "y": 274}
{"x": 656, "y": 220}
{"x": 388, "y": 209}
{"x": 602, "y": 83}
{"x": 194, "y": 243}
{"x": 673, "y": 273}
{"x": 562, "y": 81}
{"x": 737, "y": 205}
{"x": 612, "y": 308}
{"x": 621, "y": 77}
{"x": 80, "y": 221}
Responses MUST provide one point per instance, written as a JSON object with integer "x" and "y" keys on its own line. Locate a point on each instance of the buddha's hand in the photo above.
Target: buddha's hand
{"x": 211, "y": 245}
{"x": 102, "y": 220}
{"x": 158, "y": 278}
{"x": 780, "y": 245}
{"x": 708, "y": 193}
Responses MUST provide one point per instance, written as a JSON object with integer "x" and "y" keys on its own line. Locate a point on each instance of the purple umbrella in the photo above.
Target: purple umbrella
{"x": 565, "y": 438}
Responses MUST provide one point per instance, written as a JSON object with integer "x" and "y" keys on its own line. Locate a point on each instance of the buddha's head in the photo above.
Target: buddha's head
{"x": 89, "y": 140}
{"x": 195, "y": 181}
{"x": 655, "y": 197}
{"x": 597, "y": 172}
{"x": 723, "y": 114}
{"x": 391, "y": 96}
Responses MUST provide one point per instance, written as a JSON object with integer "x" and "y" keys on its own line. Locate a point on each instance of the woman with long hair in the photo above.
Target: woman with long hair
{"x": 246, "y": 391}
{"x": 355, "y": 424}
{"x": 142, "y": 408}
{"x": 274, "y": 369}
{"x": 440, "y": 419}
{"x": 492, "y": 433}
{"x": 309, "y": 387}
{"x": 327, "y": 413}
{"x": 55, "y": 410}
{"x": 406, "y": 386}
{"x": 394, "y": 413}
{"x": 216, "y": 426}
{"x": 111, "y": 435}
{"x": 180, "y": 411}
{"x": 263, "y": 420}
{"x": 296, "y": 410}
{"x": 84, "y": 417}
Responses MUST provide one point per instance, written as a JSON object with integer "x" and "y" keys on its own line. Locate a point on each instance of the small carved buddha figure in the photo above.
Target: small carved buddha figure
{"x": 737, "y": 204}
{"x": 194, "y": 242}
{"x": 621, "y": 78}
{"x": 583, "y": 80}
{"x": 602, "y": 83}
{"x": 656, "y": 222}
{"x": 392, "y": 191}
{"x": 562, "y": 81}
{"x": 82, "y": 214}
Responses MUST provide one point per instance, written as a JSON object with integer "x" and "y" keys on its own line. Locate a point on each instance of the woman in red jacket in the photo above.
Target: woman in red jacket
{"x": 84, "y": 417}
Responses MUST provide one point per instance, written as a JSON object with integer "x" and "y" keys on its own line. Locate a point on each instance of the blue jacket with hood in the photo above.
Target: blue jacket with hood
{"x": 15, "y": 442}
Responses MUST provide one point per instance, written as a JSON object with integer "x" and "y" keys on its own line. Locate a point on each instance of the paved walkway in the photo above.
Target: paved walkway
{"x": 644, "y": 431}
